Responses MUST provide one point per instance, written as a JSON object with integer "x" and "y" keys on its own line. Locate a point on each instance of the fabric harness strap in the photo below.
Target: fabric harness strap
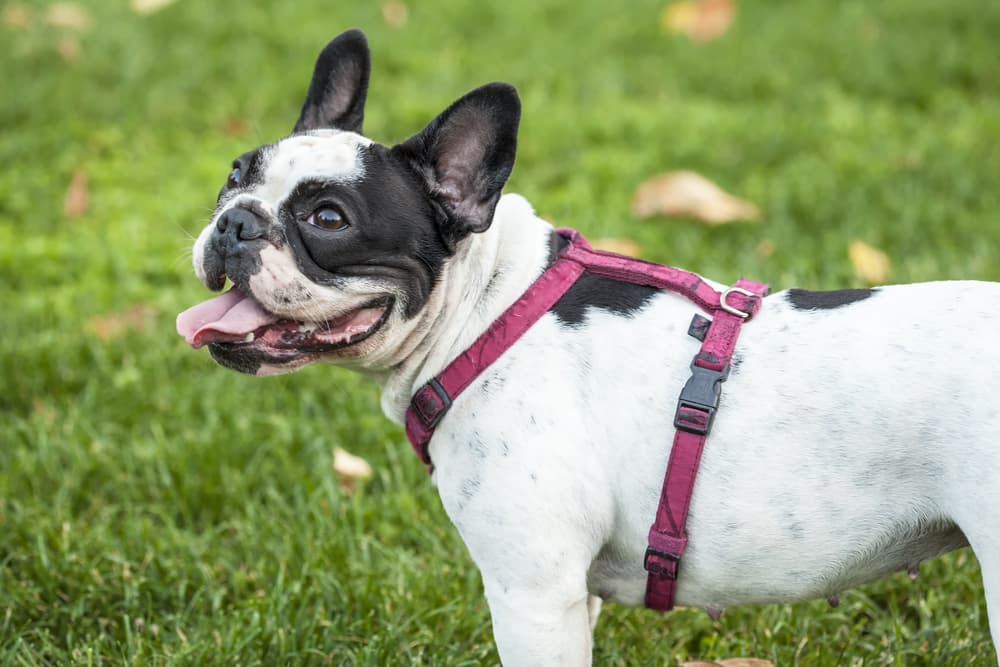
{"x": 696, "y": 407}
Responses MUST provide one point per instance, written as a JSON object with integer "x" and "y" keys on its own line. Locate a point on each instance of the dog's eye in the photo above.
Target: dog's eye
{"x": 234, "y": 177}
{"x": 327, "y": 217}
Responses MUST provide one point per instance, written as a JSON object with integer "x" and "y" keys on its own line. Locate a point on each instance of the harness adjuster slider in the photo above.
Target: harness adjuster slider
{"x": 431, "y": 402}
{"x": 661, "y": 564}
{"x": 699, "y": 399}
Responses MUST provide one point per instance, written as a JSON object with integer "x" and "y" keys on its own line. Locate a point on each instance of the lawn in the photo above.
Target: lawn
{"x": 158, "y": 510}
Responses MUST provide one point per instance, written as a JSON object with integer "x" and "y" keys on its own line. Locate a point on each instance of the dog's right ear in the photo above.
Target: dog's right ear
{"x": 336, "y": 97}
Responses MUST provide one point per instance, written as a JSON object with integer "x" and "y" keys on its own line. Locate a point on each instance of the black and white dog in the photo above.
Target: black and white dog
{"x": 860, "y": 430}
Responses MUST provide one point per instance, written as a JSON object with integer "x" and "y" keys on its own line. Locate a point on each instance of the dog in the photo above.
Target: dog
{"x": 859, "y": 433}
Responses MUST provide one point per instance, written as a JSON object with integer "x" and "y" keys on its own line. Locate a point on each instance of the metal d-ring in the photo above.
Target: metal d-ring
{"x": 729, "y": 309}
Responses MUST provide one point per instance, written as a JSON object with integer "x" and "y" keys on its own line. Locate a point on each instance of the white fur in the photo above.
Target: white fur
{"x": 850, "y": 443}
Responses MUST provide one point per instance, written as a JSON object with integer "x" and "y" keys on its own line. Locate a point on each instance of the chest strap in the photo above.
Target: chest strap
{"x": 695, "y": 408}
{"x": 693, "y": 419}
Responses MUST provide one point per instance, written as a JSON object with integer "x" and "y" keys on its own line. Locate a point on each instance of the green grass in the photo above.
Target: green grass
{"x": 158, "y": 510}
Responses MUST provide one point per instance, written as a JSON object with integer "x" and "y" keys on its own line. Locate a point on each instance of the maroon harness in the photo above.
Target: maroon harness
{"x": 698, "y": 399}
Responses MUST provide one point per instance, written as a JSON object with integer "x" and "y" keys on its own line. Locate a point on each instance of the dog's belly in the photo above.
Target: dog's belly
{"x": 711, "y": 583}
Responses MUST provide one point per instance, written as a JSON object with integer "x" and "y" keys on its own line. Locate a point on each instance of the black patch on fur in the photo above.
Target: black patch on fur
{"x": 251, "y": 172}
{"x": 589, "y": 291}
{"x": 392, "y": 234}
{"x": 801, "y": 299}
{"x": 556, "y": 244}
{"x": 339, "y": 85}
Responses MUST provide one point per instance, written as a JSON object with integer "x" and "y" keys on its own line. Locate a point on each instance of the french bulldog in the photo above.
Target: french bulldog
{"x": 859, "y": 433}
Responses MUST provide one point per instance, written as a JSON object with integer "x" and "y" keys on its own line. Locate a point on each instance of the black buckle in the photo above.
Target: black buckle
{"x": 429, "y": 412}
{"x": 658, "y": 570}
{"x": 700, "y": 392}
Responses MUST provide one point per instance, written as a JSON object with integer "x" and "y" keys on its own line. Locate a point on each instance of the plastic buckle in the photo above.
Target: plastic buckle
{"x": 700, "y": 393}
{"x": 667, "y": 569}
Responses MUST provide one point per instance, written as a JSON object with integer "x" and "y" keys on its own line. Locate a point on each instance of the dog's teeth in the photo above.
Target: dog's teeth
{"x": 248, "y": 338}
{"x": 833, "y": 600}
{"x": 714, "y": 613}
{"x": 913, "y": 570}
{"x": 306, "y": 327}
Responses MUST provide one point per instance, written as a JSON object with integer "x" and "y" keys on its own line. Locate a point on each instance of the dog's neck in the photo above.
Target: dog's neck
{"x": 488, "y": 272}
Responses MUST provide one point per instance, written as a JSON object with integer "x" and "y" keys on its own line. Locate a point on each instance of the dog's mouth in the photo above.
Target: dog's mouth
{"x": 234, "y": 321}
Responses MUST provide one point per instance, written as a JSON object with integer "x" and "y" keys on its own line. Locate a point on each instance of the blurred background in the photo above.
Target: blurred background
{"x": 156, "y": 509}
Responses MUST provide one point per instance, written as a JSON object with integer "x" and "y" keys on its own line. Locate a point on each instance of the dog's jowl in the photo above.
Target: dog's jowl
{"x": 858, "y": 433}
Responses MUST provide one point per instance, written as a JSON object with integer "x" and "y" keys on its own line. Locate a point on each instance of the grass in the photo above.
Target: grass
{"x": 157, "y": 510}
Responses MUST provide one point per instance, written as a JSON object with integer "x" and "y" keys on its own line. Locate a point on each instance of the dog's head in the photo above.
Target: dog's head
{"x": 334, "y": 243}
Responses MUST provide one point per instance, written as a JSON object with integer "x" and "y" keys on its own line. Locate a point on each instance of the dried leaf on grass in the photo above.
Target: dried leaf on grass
{"x": 68, "y": 15}
{"x": 870, "y": 264}
{"x": 143, "y": 7}
{"x": 728, "y": 662}
{"x": 234, "y": 126}
{"x": 701, "y": 20}
{"x": 17, "y": 16}
{"x": 77, "y": 198}
{"x": 689, "y": 195}
{"x": 619, "y": 246}
{"x": 137, "y": 317}
{"x": 350, "y": 469}
{"x": 395, "y": 13}
{"x": 765, "y": 249}
{"x": 68, "y": 49}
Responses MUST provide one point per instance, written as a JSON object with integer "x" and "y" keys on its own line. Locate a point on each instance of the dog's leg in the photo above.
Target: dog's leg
{"x": 593, "y": 610}
{"x": 975, "y": 511}
{"x": 990, "y": 564}
{"x": 540, "y": 626}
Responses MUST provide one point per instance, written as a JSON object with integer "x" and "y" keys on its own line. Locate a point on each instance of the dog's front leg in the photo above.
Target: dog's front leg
{"x": 540, "y": 625}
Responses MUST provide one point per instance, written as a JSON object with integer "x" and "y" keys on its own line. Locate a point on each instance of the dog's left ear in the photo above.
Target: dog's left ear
{"x": 466, "y": 155}
{"x": 336, "y": 97}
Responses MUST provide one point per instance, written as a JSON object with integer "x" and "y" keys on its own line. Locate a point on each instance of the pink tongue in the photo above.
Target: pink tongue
{"x": 222, "y": 318}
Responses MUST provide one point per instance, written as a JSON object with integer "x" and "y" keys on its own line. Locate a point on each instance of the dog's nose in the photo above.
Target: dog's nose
{"x": 244, "y": 225}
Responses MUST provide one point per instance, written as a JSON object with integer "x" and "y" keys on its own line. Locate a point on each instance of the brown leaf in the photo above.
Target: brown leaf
{"x": 619, "y": 246}
{"x": 68, "y": 15}
{"x": 143, "y": 7}
{"x": 234, "y": 126}
{"x": 68, "y": 49}
{"x": 17, "y": 16}
{"x": 77, "y": 198}
{"x": 700, "y": 20}
{"x": 395, "y": 13}
{"x": 698, "y": 663}
{"x": 138, "y": 317}
{"x": 870, "y": 264}
{"x": 350, "y": 469}
{"x": 765, "y": 249}
{"x": 689, "y": 195}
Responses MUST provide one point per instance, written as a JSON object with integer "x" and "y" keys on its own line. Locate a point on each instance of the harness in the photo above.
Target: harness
{"x": 696, "y": 406}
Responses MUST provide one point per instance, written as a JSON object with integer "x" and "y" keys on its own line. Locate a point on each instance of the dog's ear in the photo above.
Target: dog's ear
{"x": 336, "y": 97}
{"x": 465, "y": 156}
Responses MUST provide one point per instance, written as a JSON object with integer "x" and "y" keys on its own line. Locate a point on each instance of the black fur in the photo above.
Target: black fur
{"x": 392, "y": 232}
{"x": 465, "y": 156}
{"x": 589, "y": 291}
{"x": 336, "y": 97}
{"x": 801, "y": 299}
{"x": 619, "y": 297}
